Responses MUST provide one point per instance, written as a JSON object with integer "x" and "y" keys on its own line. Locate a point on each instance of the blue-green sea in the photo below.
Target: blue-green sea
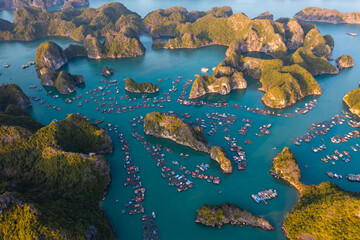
{"x": 175, "y": 211}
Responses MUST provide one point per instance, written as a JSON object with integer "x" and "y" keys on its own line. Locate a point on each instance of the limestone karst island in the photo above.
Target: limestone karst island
{"x": 173, "y": 120}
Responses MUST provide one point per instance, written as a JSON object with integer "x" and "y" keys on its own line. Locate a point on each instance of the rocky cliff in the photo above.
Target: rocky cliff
{"x": 219, "y": 155}
{"x": 144, "y": 87}
{"x": 50, "y": 55}
{"x": 217, "y": 216}
{"x": 163, "y": 126}
{"x": 223, "y": 85}
{"x": 352, "y": 100}
{"x": 333, "y": 16}
{"x": 49, "y": 58}
{"x": 345, "y": 61}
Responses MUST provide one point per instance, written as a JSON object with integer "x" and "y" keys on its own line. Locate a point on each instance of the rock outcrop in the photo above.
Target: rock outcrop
{"x": 11, "y": 94}
{"x": 144, "y": 87}
{"x": 217, "y": 216}
{"x": 163, "y": 126}
{"x": 107, "y": 72}
{"x": 265, "y": 15}
{"x": 208, "y": 84}
{"x": 352, "y": 100}
{"x": 333, "y": 16}
{"x": 219, "y": 155}
{"x": 286, "y": 168}
{"x": 345, "y": 61}
{"x": 50, "y": 55}
{"x": 49, "y": 58}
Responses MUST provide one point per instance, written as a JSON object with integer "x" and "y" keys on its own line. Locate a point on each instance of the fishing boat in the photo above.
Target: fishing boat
{"x": 6, "y": 65}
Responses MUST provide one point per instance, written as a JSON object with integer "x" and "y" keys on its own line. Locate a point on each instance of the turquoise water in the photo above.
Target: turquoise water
{"x": 176, "y": 211}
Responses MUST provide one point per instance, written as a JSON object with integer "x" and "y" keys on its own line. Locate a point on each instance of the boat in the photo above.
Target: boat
{"x": 204, "y": 70}
{"x": 6, "y": 65}
{"x": 352, "y": 34}
{"x": 353, "y": 177}
{"x": 264, "y": 195}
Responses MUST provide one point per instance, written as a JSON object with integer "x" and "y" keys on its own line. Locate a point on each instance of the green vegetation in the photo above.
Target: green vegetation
{"x": 145, "y": 87}
{"x": 315, "y": 65}
{"x": 345, "y": 61}
{"x": 227, "y": 213}
{"x": 286, "y": 167}
{"x": 160, "y": 125}
{"x": 218, "y": 154}
{"x": 13, "y": 103}
{"x": 315, "y": 42}
{"x": 286, "y": 85}
{"x": 59, "y": 190}
{"x": 323, "y": 211}
{"x": 352, "y": 99}
{"x": 164, "y": 22}
{"x": 31, "y": 23}
{"x": 211, "y": 214}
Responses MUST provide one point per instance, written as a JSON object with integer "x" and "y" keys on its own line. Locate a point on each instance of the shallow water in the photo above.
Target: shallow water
{"x": 176, "y": 211}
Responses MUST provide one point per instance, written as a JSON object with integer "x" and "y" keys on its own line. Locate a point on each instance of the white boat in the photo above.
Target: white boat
{"x": 352, "y": 34}
{"x": 6, "y": 65}
{"x": 204, "y": 70}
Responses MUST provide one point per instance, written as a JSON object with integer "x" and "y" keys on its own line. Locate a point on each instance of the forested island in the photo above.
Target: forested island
{"x": 144, "y": 87}
{"x": 352, "y": 100}
{"x": 161, "y": 125}
{"x": 319, "y": 208}
{"x": 52, "y": 177}
{"x": 333, "y": 16}
{"x": 217, "y": 216}
{"x": 121, "y": 29}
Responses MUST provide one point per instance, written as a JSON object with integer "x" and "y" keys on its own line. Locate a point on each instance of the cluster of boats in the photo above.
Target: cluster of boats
{"x": 265, "y": 195}
{"x": 240, "y": 158}
{"x": 150, "y": 231}
{"x": 338, "y": 138}
{"x": 308, "y": 107}
{"x": 353, "y": 177}
{"x": 316, "y": 129}
{"x": 334, "y": 175}
{"x": 133, "y": 178}
{"x": 261, "y": 111}
{"x": 264, "y": 130}
{"x": 181, "y": 182}
{"x": 345, "y": 156}
{"x": 243, "y": 130}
